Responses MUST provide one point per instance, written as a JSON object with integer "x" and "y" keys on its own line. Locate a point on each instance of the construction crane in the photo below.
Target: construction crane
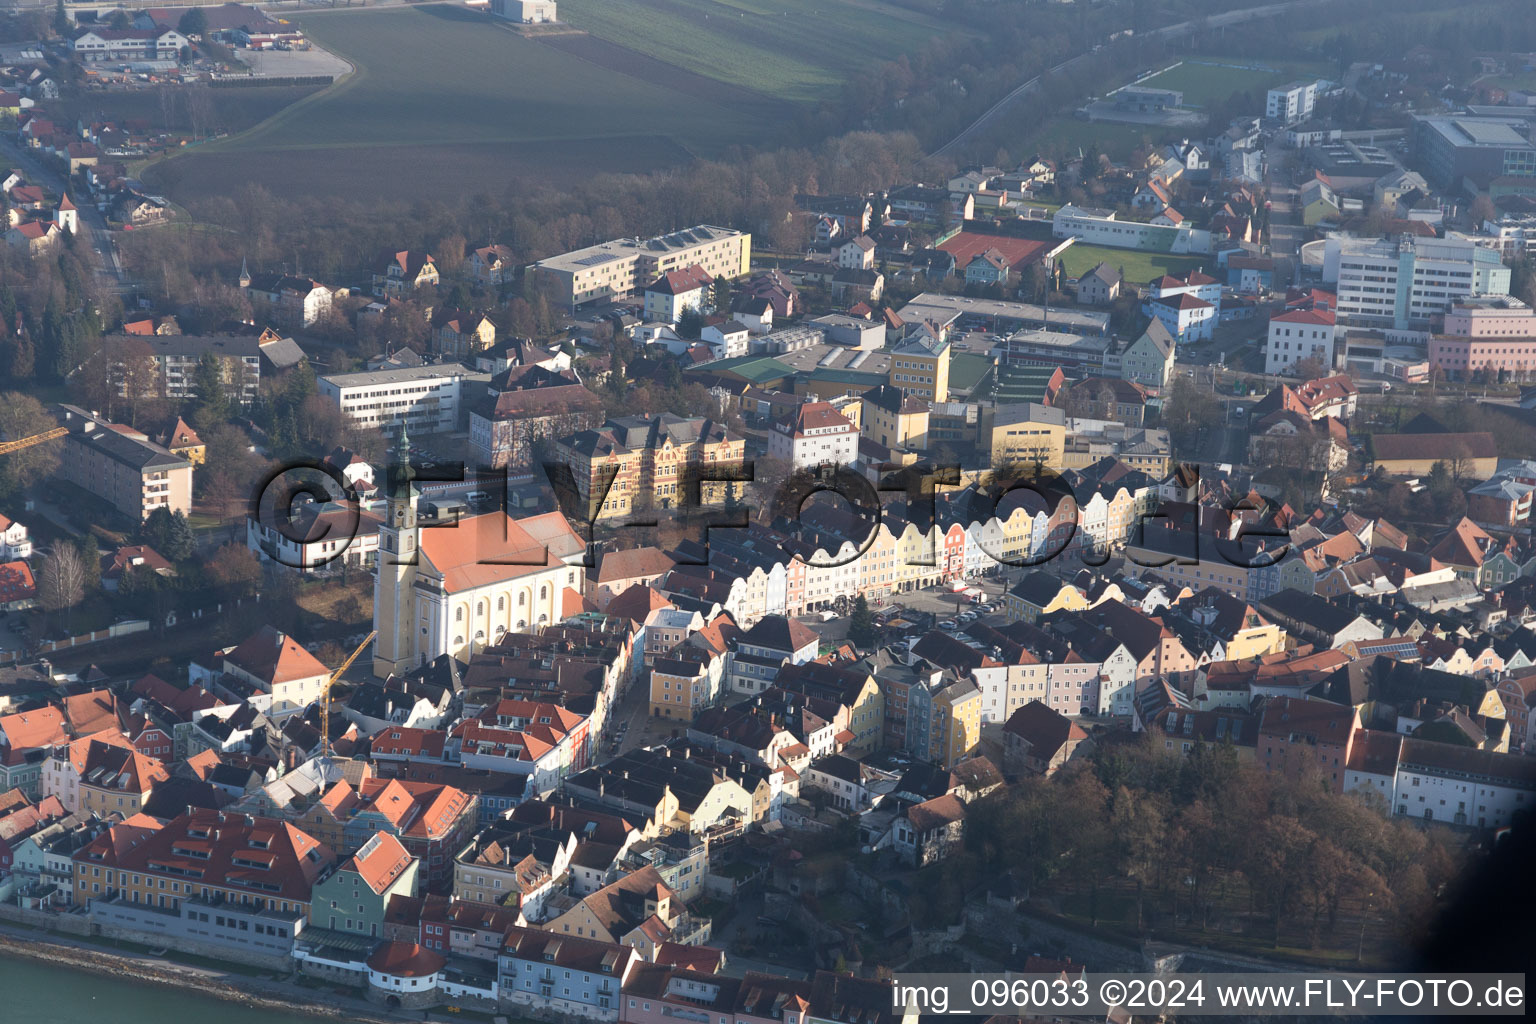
{"x": 325, "y": 695}
{"x": 6, "y": 447}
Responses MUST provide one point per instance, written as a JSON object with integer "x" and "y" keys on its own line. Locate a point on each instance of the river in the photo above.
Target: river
{"x": 35, "y": 993}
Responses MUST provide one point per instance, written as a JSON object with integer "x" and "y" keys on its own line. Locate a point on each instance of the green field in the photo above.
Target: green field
{"x": 1138, "y": 267}
{"x": 795, "y": 50}
{"x": 1205, "y": 80}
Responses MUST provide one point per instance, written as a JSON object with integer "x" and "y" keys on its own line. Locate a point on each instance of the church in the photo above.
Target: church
{"x": 454, "y": 589}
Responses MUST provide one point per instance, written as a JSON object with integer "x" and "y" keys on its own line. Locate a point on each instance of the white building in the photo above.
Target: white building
{"x": 1186, "y": 317}
{"x": 15, "y": 544}
{"x": 727, "y": 340}
{"x": 316, "y": 536}
{"x": 1297, "y": 335}
{"x": 526, "y": 12}
{"x": 674, "y": 293}
{"x": 816, "y": 434}
{"x": 429, "y": 397}
{"x": 1291, "y": 103}
{"x": 1102, "y": 227}
{"x": 1440, "y": 782}
{"x": 1370, "y": 275}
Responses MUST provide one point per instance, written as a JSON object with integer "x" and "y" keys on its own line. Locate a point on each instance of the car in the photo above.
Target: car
{"x": 949, "y": 624}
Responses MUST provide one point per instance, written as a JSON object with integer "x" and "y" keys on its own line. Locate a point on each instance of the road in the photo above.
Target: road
{"x": 1167, "y": 32}
{"x": 103, "y": 251}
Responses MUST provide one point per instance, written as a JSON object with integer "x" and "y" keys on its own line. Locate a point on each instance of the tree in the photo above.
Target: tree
{"x": 61, "y": 23}
{"x": 861, "y": 624}
{"x": 193, "y": 23}
{"x": 235, "y": 569}
{"x": 690, "y": 323}
{"x": 24, "y": 416}
{"x": 209, "y": 391}
{"x": 61, "y": 578}
{"x": 168, "y": 533}
{"x": 120, "y": 21}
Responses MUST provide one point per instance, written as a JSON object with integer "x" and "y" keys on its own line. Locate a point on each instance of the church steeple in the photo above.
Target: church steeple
{"x": 394, "y": 607}
{"x": 245, "y": 274}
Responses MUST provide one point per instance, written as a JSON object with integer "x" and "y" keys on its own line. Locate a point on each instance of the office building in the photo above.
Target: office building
{"x": 1405, "y": 283}
{"x": 1457, "y": 148}
{"x": 426, "y": 398}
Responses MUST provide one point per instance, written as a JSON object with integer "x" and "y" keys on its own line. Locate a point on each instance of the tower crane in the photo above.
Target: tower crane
{"x": 325, "y": 694}
{"x": 6, "y": 447}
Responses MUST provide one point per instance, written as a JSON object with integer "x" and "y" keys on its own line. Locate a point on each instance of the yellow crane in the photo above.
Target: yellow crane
{"x": 6, "y": 447}
{"x": 325, "y": 695}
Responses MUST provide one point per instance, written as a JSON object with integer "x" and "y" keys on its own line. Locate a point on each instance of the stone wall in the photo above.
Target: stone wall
{"x": 68, "y": 924}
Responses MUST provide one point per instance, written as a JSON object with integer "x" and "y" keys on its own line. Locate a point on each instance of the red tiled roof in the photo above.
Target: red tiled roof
{"x": 275, "y": 657}
{"x": 1305, "y": 316}
{"x": 380, "y": 862}
{"x": 405, "y": 960}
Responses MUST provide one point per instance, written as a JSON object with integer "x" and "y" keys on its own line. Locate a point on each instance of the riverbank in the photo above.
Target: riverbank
{"x": 266, "y": 996}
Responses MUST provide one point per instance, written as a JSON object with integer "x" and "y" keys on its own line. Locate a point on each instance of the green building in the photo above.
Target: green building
{"x": 354, "y": 896}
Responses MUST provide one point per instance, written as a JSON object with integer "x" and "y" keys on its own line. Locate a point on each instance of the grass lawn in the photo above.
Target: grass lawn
{"x": 790, "y": 49}
{"x": 1139, "y": 267}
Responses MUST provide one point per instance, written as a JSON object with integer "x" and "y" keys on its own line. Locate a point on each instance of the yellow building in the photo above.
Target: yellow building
{"x": 920, "y": 366}
{"x": 1040, "y": 594}
{"x": 956, "y": 721}
{"x": 647, "y": 458}
{"x": 891, "y": 417}
{"x": 1028, "y": 433}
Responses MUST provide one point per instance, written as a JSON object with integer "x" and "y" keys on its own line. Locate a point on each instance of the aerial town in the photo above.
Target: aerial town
{"x": 1098, "y": 540}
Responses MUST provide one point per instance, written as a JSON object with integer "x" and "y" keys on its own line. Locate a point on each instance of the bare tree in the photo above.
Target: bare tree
{"x": 24, "y": 416}
{"x": 61, "y": 578}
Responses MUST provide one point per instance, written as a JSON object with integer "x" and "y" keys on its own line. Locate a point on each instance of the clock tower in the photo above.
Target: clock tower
{"x": 394, "y": 605}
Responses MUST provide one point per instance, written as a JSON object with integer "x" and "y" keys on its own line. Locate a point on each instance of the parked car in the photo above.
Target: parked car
{"x": 949, "y": 624}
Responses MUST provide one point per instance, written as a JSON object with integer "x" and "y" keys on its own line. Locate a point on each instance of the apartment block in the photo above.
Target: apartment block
{"x": 122, "y": 466}
{"x": 649, "y": 457}
{"x": 615, "y": 269}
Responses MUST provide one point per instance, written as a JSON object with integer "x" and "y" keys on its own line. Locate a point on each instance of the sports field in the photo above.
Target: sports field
{"x": 1204, "y": 83}
{"x": 1138, "y": 267}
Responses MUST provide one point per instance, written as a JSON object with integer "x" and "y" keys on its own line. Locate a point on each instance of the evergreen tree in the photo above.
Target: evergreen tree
{"x": 61, "y": 22}
{"x": 208, "y": 390}
{"x": 180, "y": 542}
{"x": 155, "y": 531}
{"x": 861, "y": 624}
{"x": 298, "y": 386}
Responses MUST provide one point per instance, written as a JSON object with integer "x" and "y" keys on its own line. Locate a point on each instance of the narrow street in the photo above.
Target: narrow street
{"x": 103, "y": 250}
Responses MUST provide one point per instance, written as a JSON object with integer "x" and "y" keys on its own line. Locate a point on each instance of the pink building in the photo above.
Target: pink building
{"x": 1491, "y": 318}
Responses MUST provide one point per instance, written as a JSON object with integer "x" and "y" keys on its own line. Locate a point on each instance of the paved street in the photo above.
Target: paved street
{"x": 103, "y": 250}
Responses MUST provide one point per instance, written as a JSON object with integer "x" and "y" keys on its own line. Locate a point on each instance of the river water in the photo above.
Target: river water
{"x": 34, "y": 993}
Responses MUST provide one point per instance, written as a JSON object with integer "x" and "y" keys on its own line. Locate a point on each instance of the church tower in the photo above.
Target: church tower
{"x": 394, "y": 606}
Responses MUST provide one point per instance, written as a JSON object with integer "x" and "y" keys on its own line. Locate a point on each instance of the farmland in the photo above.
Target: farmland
{"x": 797, "y": 50}
{"x": 1139, "y": 267}
{"x": 453, "y": 96}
